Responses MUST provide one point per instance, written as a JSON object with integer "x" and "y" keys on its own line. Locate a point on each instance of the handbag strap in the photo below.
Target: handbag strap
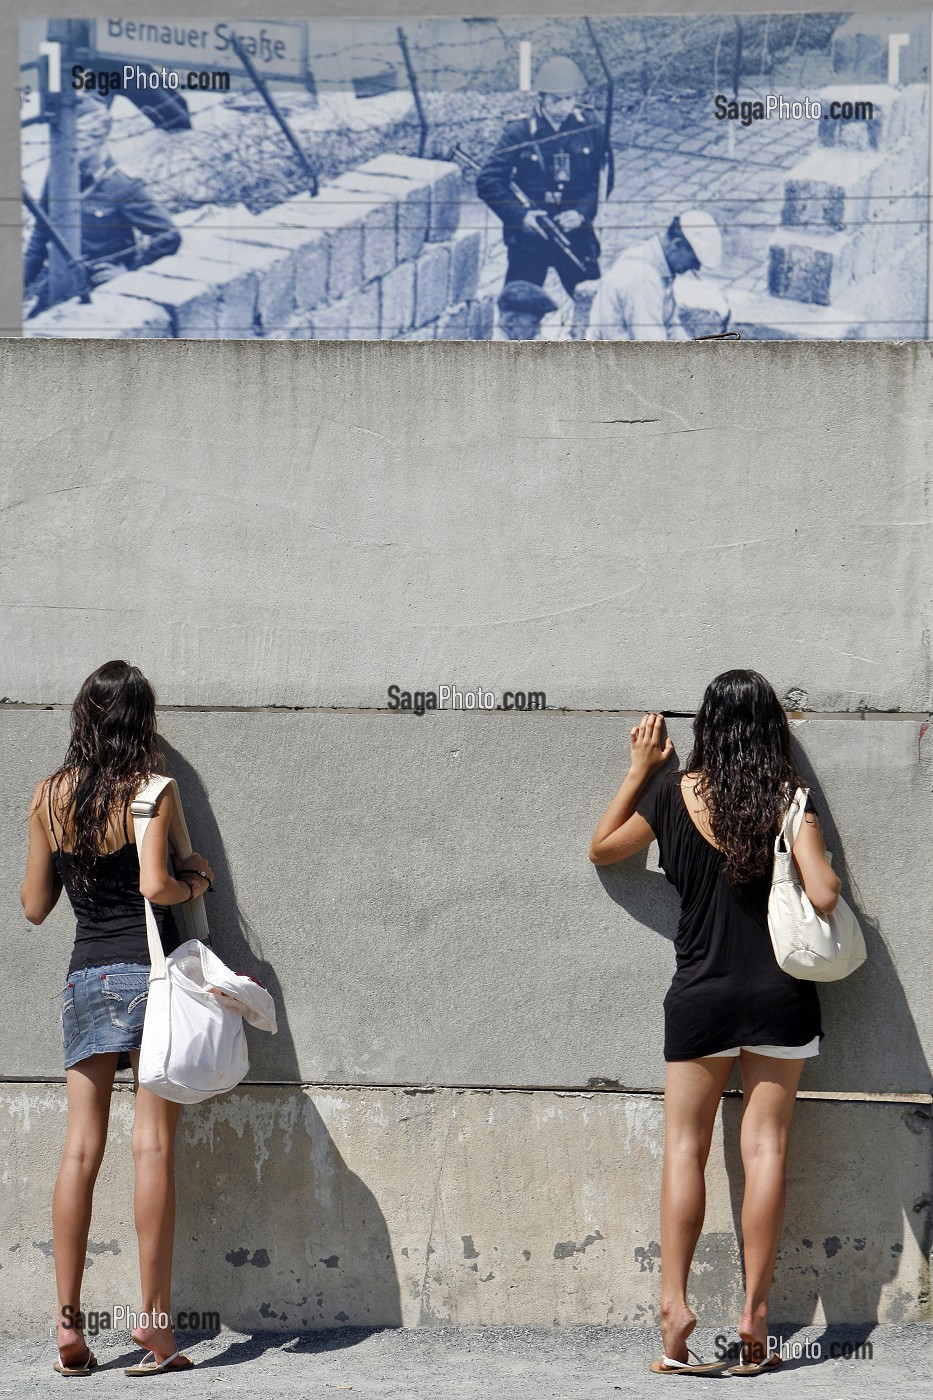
{"x": 193, "y": 914}
{"x": 793, "y": 820}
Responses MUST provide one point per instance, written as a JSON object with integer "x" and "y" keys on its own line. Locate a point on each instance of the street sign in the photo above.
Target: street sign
{"x": 277, "y": 48}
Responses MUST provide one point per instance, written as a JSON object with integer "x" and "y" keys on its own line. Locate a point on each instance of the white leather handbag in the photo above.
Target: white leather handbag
{"x": 193, "y": 1045}
{"x": 807, "y": 944}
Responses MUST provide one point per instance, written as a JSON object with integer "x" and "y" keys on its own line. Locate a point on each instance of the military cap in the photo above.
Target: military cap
{"x": 526, "y": 297}
{"x": 561, "y": 76}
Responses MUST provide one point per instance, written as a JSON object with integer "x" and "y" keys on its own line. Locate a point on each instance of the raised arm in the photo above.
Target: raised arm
{"x": 621, "y": 831}
{"x": 820, "y": 882}
{"x": 157, "y": 882}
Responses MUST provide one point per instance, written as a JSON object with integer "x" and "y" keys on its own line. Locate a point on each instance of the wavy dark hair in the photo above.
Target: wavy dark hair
{"x": 113, "y": 749}
{"x": 742, "y": 753}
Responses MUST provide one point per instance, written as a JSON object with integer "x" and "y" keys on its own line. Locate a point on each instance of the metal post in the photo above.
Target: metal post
{"x": 259, "y": 83}
{"x": 610, "y": 91}
{"x": 63, "y": 184}
{"x": 413, "y": 84}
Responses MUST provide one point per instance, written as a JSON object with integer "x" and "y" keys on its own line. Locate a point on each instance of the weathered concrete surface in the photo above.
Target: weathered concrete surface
{"x": 306, "y": 1208}
{"x": 416, "y": 894}
{"x": 614, "y": 525}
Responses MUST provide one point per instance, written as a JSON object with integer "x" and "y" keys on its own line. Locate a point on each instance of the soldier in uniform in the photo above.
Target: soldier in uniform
{"x": 114, "y": 208}
{"x": 555, "y": 156}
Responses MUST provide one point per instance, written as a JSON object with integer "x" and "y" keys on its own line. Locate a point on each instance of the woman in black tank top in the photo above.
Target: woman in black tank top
{"x": 81, "y": 840}
{"x": 715, "y": 826}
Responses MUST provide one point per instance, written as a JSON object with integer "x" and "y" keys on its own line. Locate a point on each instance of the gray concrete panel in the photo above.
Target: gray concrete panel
{"x": 305, "y": 524}
{"x": 417, "y": 895}
{"x": 315, "y": 1208}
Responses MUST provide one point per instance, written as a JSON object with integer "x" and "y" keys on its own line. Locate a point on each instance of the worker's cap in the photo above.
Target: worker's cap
{"x": 560, "y": 77}
{"x": 93, "y": 119}
{"x": 527, "y": 298}
{"x": 702, "y": 233}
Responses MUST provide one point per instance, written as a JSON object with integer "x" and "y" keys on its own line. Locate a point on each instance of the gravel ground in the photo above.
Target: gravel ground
{"x": 503, "y": 1363}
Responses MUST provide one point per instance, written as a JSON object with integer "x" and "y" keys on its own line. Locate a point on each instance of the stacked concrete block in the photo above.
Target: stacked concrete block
{"x": 442, "y": 179}
{"x": 850, "y": 211}
{"x": 377, "y": 253}
{"x": 397, "y": 292}
{"x": 106, "y": 314}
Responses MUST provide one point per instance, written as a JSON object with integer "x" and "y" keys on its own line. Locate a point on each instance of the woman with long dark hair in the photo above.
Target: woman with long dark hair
{"x": 715, "y": 825}
{"x": 81, "y": 838}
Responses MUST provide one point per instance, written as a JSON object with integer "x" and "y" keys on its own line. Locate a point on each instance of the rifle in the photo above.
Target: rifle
{"x": 547, "y": 225}
{"x": 75, "y": 265}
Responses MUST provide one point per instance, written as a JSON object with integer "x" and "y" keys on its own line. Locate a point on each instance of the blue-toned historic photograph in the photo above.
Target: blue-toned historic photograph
{"x": 753, "y": 177}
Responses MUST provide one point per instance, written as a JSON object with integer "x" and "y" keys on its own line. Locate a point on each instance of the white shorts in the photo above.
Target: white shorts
{"x": 776, "y": 1052}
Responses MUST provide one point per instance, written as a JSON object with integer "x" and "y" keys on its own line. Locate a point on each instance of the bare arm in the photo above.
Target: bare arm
{"x": 157, "y": 883}
{"x": 820, "y": 882}
{"x": 41, "y": 886}
{"x": 621, "y": 831}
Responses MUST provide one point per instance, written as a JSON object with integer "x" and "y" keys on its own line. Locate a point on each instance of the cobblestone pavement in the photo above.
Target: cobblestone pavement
{"x": 500, "y": 1363}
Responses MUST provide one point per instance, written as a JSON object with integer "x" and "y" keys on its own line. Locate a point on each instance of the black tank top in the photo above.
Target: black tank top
{"x": 110, "y": 922}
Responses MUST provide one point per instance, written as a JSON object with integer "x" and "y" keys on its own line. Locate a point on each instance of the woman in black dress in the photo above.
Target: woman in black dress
{"x": 715, "y": 825}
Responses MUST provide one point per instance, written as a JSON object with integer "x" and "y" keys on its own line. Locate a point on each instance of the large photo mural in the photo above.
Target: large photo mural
{"x": 759, "y": 177}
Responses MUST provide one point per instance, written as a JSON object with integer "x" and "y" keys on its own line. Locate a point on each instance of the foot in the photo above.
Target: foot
{"x": 753, "y": 1329}
{"x": 161, "y": 1342}
{"x": 677, "y": 1322}
{"x": 73, "y": 1350}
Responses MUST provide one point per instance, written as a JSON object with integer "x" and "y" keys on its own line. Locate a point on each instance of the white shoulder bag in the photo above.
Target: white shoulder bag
{"x": 193, "y": 1042}
{"x": 807, "y": 944}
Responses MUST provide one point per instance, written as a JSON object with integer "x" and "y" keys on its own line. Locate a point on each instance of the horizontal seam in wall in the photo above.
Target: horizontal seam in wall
{"x": 564, "y": 1091}
{"x": 913, "y": 716}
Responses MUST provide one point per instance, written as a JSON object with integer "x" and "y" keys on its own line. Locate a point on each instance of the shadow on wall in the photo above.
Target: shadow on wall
{"x": 275, "y": 1231}
{"x": 233, "y": 937}
{"x": 859, "y": 1162}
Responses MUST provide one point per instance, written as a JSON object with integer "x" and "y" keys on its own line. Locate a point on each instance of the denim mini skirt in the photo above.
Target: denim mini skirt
{"x": 103, "y": 1009}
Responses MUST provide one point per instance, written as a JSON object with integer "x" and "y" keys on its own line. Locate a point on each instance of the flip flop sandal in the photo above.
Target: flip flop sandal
{"x": 71, "y": 1370}
{"x": 755, "y": 1368}
{"x": 667, "y": 1367}
{"x": 152, "y": 1367}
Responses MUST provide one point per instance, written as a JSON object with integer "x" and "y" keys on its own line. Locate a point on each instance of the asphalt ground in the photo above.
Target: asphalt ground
{"x": 501, "y": 1363}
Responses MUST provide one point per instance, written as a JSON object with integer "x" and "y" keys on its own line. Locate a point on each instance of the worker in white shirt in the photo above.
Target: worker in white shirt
{"x": 635, "y": 300}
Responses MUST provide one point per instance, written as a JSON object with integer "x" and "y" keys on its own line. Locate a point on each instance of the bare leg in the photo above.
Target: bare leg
{"x": 154, "y": 1127}
{"x": 89, "y": 1086}
{"x": 770, "y": 1089}
{"x": 692, "y": 1092}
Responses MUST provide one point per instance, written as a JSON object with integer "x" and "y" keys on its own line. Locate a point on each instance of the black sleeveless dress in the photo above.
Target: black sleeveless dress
{"x": 728, "y": 989}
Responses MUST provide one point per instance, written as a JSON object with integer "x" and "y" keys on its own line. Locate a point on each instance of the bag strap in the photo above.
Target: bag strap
{"x": 793, "y": 819}
{"x": 193, "y": 914}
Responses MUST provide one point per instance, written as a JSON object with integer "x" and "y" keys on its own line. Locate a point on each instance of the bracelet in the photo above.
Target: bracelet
{"x": 191, "y": 888}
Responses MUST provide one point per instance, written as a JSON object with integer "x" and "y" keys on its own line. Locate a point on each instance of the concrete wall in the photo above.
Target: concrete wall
{"x": 278, "y": 532}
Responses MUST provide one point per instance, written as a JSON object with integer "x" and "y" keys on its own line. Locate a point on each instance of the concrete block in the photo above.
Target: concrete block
{"x": 465, "y": 250}
{"x": 106, "y": 315}
{"x": 454, "y": 323}
{"x": 565, "y": 972}
{"x": 409, "y": 199}
{"x": 806, "y": 267}
{"x": 482, "y": 317}
{"x": 237, "y": 290}
{"x": 400, "y": 413}
{"x": 310, "y": 254}
{"x": 397, "y": 293}
{"x": 444, "y": 181}
{"x": 466, "y": 1209}
{"x": 828, "y": 190}
{"x": 192, "y": 306}
{"x": 431, "y": 273}
{"x": 378, "y": 219}
{"x": 343, "y": 228}
{"x": 354, "y": 317}
{"x": 271, "y": 265}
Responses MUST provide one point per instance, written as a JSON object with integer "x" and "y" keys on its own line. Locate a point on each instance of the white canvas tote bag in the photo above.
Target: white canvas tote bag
{"x": 193, "y": 1043}
{"x": 807, "y": 944}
